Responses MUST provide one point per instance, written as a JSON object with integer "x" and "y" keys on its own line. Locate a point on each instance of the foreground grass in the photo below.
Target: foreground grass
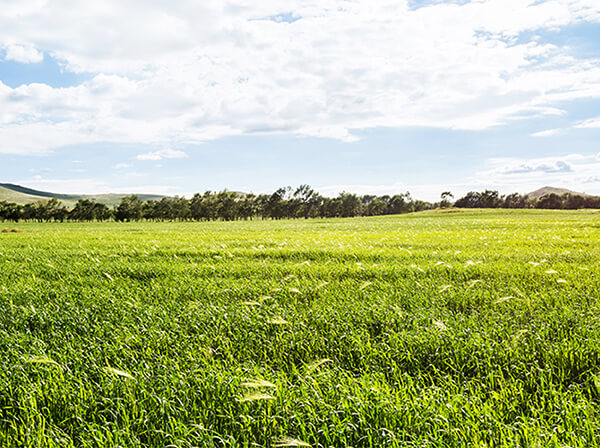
{"x": 452, "y": 329}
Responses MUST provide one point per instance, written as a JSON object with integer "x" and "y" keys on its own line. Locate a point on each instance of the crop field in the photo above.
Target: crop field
{"x": 453, "y": 329}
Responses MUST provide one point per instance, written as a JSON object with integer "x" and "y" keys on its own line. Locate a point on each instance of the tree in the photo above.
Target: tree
{"x": 247, "y": 206}
{"x": 550, "y": 201}
{"x": 276, "y": 206}
{"x": 306, "y": 202}
{"x": 515, "y": 200}
{"x": 130, "y": 209}
{"x": 445, "y": 196}
{"x": 10, "y": 211}
{"x": 376, "y": 207}
{"x": 486, "y": 199}
{"x": 350, "y": 204}
{"x": 180, "y": 208}
{"x": 226, "y": 205}
{"x": 86, "y": 210}
{"x": 573, "y": 201}
{"x": 400, "y": 203}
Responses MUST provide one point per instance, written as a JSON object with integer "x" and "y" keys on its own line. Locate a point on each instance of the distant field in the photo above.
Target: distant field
{"x": 471, "y": 329}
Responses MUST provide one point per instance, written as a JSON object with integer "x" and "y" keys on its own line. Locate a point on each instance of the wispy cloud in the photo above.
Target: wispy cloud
{"x": 591, "y": 123}
{"x": 546, "y": 133}
{"x": 162, "y": 154}
{"x": 556, "y": 166}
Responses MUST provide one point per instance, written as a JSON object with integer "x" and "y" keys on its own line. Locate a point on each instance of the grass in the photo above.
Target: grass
{"x": 436, "y": 329}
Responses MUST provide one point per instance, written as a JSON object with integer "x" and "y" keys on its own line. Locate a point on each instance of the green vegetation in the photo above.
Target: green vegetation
{"x": 445, "y": 329}
{"x": 18, "y": 197}
{"x": 303, "y": 202}
{"x": 283, "y": 203}
{"x": 22, "y": 195}
{"x": 544, "y": 198}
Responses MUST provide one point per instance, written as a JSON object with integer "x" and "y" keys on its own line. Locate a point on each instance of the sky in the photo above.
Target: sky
{"x": 378, "y": 97}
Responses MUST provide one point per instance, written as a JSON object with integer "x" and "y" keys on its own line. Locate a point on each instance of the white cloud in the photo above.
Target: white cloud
{"x": 120, "y": 166}
{"x": 576, "y": 172}
{"x": 162, "y": 154}
{"x": 591, "y": 123}
{"x": 546, "y": 133}
{"x": 573, "y": 171}
{"x": 542, "y": 166}
{"x": 23, "y": 54}
{"x": 196, "y": 72}
{"x": 92, "y": 186}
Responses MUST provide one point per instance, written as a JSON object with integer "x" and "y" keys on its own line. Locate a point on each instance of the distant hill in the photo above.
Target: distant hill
{"x": 547, "y": 190}
{"x": 24, "y": 195}
{"x": 9, "y": 194}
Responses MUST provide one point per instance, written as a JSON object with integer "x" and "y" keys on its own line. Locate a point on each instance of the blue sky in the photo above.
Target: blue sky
{"x": 424, "y": 97}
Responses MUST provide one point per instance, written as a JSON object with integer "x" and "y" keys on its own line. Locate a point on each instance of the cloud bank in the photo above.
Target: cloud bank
{"x": 190, "y": 72}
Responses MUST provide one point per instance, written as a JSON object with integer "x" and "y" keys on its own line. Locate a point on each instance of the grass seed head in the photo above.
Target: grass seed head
{"x": 254, "y": 383}
{"x": 41, "y": 360}
{"x": 365, "y": 285}
{"x": 288, "y": 441}
{"x": 257, "y": 396}
{"x": 316, "y": 364}
{"x": 439, "y": 324}
{"x": 321, "y": 285}
{"x": 118, "y": 372}
{"x": 276, "y": 320}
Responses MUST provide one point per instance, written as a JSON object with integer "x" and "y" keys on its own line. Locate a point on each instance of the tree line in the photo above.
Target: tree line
{"x": 492, "y": 199}
{"x": 284, "y": 203}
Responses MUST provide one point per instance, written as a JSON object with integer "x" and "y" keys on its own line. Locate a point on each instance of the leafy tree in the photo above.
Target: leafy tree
{"x": 276, "y": 206}
{"x": 376, "y": 207}
{"x": 446, "y": 196}
{"x": 10, "y": 211}
{"x": 86, "y": 210}
{"x": 227, "y": 207}
{"x": 350, "y": 205}
{"x": 129, "y": 209}
{"x": 486, "y": 199}
{"x": 573, "y": 201}
{"x": 515, "y": 200}
{"x": 551, "y": 201}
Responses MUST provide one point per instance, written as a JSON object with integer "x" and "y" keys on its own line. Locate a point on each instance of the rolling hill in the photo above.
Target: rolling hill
{"x": 547, "y": 190}
{"x": 24, "y": 195}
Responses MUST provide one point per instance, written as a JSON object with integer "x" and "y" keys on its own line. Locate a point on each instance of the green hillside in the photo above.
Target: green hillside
{"x": 23, "y": 195}
{"x": 9, "y": 195}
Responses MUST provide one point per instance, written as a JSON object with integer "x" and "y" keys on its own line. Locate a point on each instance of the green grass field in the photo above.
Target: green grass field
{"x": 438, "y": 329}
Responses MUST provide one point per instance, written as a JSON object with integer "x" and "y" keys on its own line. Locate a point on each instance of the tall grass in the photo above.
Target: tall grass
{"x": 440, "y": 330}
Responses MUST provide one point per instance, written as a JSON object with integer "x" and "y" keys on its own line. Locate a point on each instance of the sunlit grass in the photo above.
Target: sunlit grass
{"x": 457, "y": 329}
